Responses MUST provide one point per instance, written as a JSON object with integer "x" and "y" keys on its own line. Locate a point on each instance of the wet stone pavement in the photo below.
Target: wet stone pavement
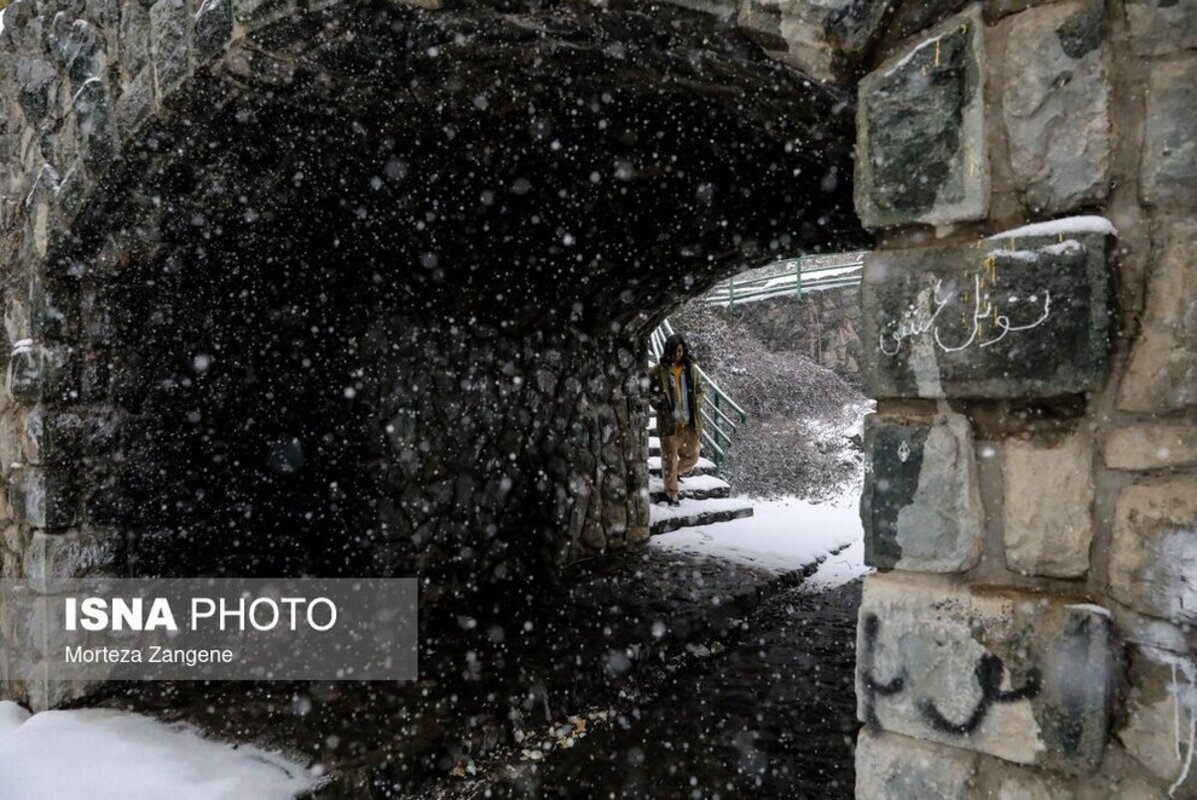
{"x": 770, "y": 713}
{"x": 642, "y": 674}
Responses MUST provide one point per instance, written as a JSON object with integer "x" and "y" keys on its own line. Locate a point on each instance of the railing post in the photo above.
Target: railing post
{"x": 718, "y": 430}
{"x": 731, "y": 293}
{"x": 798, "y": 280}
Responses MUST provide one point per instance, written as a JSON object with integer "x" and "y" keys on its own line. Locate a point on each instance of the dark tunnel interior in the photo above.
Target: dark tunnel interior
{"x": 361, "y": 305}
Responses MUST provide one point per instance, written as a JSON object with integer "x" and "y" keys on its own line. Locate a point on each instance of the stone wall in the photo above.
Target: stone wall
{"x": 1030, "y": 497}
{"x": 833, "y": 318}
{"x": 485, "y": 436}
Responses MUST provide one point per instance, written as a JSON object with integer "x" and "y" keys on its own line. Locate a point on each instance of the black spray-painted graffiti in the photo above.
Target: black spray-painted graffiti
{"x": 872, "y": 687}
{"x": 989, "y": 672}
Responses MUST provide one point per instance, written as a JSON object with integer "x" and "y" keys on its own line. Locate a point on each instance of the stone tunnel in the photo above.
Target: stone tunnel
{"x": 361, "y": 288}
{"x": 364, "y": 289}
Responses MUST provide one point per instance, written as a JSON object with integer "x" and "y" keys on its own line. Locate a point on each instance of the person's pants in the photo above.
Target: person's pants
{"x": 679, "y": 454}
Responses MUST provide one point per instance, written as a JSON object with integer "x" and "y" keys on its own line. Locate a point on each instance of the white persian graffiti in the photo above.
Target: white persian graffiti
{"x": 920, "y": 320}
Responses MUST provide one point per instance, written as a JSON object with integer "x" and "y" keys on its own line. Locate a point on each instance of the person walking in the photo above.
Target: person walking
{"x": 678, "y": 406}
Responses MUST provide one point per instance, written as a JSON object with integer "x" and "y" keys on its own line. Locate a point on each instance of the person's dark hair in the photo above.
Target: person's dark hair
{"x": 671, "y": 345}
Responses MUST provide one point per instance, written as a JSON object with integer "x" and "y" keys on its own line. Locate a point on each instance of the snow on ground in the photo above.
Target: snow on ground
{"x": 101, "y": 754}
{"x": 689, "y": 485}
{"x": 783, "y": 535}
{"x": 843, "y": 567}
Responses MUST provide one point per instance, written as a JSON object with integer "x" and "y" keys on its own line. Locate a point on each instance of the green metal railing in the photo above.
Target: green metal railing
{"x": 721, "y": 415}
{"x": 792, "y": 276}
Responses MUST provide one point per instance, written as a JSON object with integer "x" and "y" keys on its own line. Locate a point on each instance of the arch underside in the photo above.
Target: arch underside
{"x": 372, "y": 296}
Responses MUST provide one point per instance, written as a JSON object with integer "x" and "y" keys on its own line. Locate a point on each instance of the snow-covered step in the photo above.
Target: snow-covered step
{"x": 705, "y": 466}
{"x": 654, "y": 447}
{"x": 695, "y": 487}
{"x": 692, "y": 513}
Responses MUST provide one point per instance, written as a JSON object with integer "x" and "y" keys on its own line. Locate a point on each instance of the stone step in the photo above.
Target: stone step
{"x": 696, "y": 487}
{"x": 705, "y": 466}
{"x": 694, "y": 513}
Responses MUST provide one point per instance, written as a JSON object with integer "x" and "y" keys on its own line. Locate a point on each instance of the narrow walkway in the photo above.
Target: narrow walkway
{"x": 755, "y": 697}
{"x": 628, "y": 675}
{"x": 772, "y": 716}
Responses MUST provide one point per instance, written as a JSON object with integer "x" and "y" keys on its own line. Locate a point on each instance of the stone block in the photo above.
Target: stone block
{"x": 134, "y": 37}
{"x": 106, "y": 13}
{"x": 73, "y": 193}
{"x": 1156, "y": 729}
{"x": 97, "y": 131}
{"x": 13, "y": 446}
{"x": 43, "y": 497}
{"x": 53, "y": 437}
{"x": 1055, "y": 106}
{"x": 31, "y": 624}
{"x": 1049, "y": 506}
{"x": 921, "y": 153}
{"x": 38, "y": 372}
{"x": 996, "y": 10}
{"x": 1151, "y": 447}
{"x": 1024, "y": 314}
{"x": 41, "y": 206}
{"x": 170, "y": 43}
{"x": 1159, "y": 27}
{"x": 213, "y": 28}
{"x": 1022, "y": 676}
{"x": 822, "y": 39}
{"x": 253, "y": 12}
{"x": 137, "y": 103}
{"x": 911, "y": 16}
{"x": 921, "y": 504}
{"x": 53, "y": 559}
{"x": 38, "y": 86}
{"x": 39, "y": 308}
{"x": 1121, "y": 782}
{"x": 14, "y": 539}
{"x": 1153, "y": 555}
{"x": 893, "y": 767}
{"x": 1133, "y": 789}
{"x": 79, "y": 48}
{"x": 1162, "y": 375}
{"x": 1168, "y": 177}
{"x": 1018, "y": 783}
{"x": 45, "y": 693}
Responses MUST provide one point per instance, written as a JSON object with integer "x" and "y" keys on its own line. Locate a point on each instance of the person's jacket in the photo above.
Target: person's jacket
{"x": 663, "y": 399}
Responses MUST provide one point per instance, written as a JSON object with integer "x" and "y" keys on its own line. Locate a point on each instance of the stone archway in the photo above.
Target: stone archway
{"x": 364, "y": 288}
{"x": 975, "y": 119}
